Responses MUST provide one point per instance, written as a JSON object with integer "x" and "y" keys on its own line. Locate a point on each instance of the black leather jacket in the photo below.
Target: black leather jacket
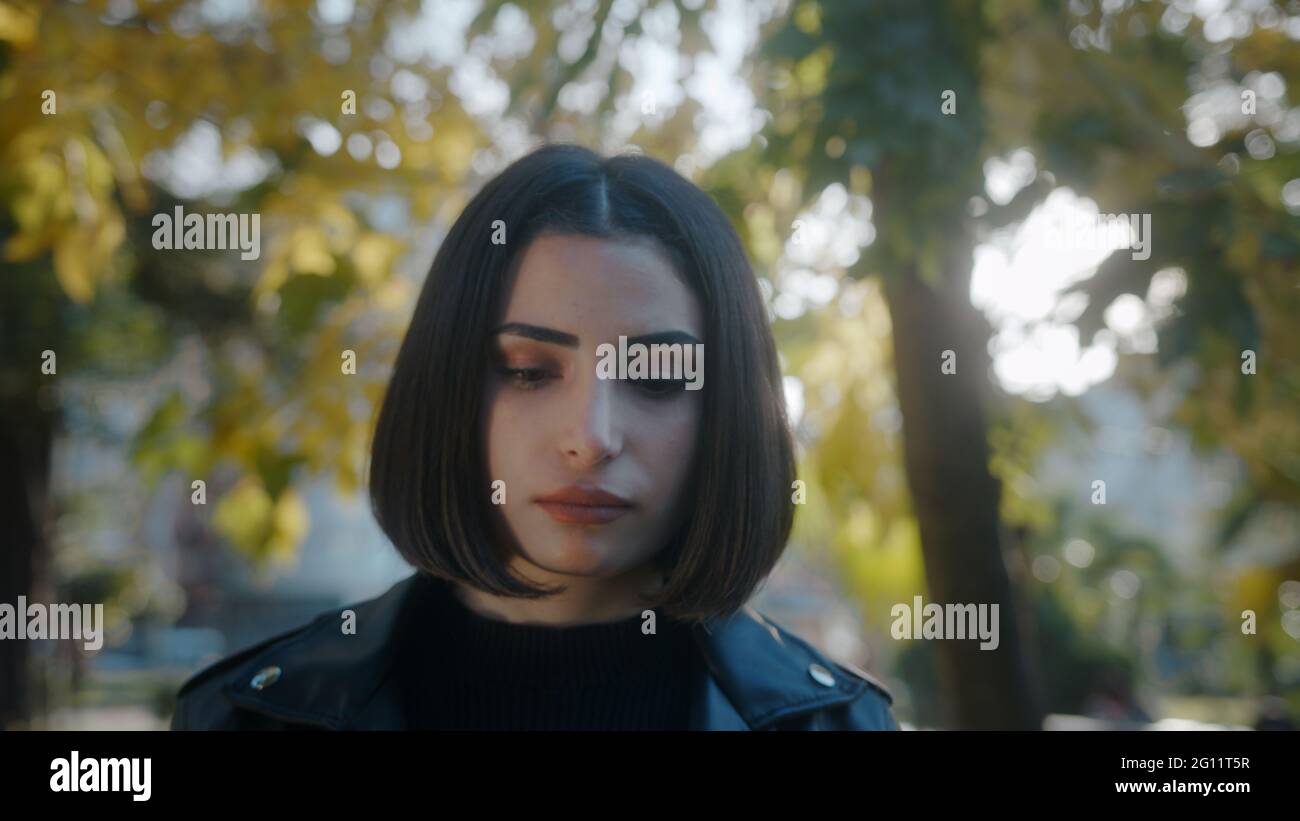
{"x": 756, "y": 676}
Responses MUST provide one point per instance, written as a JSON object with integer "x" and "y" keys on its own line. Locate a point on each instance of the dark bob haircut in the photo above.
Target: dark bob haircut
{"x": 428, "y": 484}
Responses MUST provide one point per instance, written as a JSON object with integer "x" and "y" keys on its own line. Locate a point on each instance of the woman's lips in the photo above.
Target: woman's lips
{"x": 582, "y": 514}
{"x": 583, "y": 505}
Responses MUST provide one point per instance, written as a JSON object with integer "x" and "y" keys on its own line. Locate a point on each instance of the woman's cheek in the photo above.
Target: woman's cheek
{"x": 528, "y": 421}
{"x": 507, "y": 434}
{"x": 674, "y": 433}
{"x": 508, "y": 421}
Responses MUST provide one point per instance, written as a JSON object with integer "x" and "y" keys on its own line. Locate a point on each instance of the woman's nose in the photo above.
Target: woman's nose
{"x": 594, "y": 434}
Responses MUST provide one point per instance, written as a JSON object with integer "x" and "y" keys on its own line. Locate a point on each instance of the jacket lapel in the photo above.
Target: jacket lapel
{"x": 758, "y": 675}
{"x": 328, "y": 679}
{"x": 753, "y": 674}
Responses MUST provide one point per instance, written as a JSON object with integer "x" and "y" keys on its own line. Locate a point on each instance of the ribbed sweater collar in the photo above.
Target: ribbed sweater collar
{"x": 542, "y": 655}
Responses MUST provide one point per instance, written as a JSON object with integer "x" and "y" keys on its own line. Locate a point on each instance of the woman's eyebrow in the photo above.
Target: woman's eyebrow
{"x": 664, "y": 338}
{"x": 568, "y": 340}
{"x": 539, "y": 333}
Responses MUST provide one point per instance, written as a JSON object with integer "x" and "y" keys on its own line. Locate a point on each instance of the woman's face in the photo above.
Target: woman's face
{"x": 551, "y": 423}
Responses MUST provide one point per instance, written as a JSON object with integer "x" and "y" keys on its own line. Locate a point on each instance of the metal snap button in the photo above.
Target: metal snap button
{"x": 821, "y": 675}
{"x": 265, "y": 678}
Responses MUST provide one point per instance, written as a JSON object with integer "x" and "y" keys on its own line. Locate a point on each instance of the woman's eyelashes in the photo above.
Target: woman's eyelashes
{"x": 661, "y": 388}
{"x": 530, "y": 378}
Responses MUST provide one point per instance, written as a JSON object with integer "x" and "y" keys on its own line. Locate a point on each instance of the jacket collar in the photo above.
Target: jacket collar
{"x": 754, "y": 674}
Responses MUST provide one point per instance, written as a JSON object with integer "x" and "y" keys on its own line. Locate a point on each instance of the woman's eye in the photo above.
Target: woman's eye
{"x": 661, "y": 387}
{"x": 525, "y": 378}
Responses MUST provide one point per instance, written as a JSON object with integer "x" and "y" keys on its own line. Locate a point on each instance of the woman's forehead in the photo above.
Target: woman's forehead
{"x": 597, "y": 281}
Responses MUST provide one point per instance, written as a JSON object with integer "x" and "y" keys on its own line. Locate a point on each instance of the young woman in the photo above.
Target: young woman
{"x": 585, "y": 533}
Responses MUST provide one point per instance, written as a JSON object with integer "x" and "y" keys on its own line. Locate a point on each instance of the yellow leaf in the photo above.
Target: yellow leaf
{"x": 808, "y": 18}
{"x": 395, "y": 295}
{"x": 273, "y": 275}
{"x": 289, "y": 523}
{"x": 28, "y": 245}
{"x": 309, "y": 254}
{"x": 373, "y": 256}
{"x": 244, "y": 515}
{"x": 82, "y": 253}
{"x": 72, "y": 266}
{"x": 108, "y": 235}
{"x": 812, "y": 70}
{"x": 16, "y": 26}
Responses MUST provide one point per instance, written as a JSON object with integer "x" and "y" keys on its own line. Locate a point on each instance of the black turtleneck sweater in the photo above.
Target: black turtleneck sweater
{"x": 463, "y": 671}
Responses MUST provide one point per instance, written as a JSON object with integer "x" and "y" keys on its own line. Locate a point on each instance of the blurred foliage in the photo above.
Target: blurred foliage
{"x": 80, "y": 186}
{"x": 1100, "y": 98}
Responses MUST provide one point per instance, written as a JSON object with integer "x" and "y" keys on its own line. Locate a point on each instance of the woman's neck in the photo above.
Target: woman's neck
{"x": 585, "y": 600}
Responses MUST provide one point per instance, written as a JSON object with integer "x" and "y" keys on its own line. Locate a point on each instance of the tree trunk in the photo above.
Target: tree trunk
{"x": 30, "y": 322}
{"x": 954, "y": 496}
{"x": 26, "y": 435}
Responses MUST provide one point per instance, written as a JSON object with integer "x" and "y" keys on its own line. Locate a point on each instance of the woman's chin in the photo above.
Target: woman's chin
{"x": 579, "y": 554}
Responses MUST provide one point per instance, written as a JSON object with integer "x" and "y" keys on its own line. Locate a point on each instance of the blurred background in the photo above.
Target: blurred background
{"x": 897, "y": 170}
